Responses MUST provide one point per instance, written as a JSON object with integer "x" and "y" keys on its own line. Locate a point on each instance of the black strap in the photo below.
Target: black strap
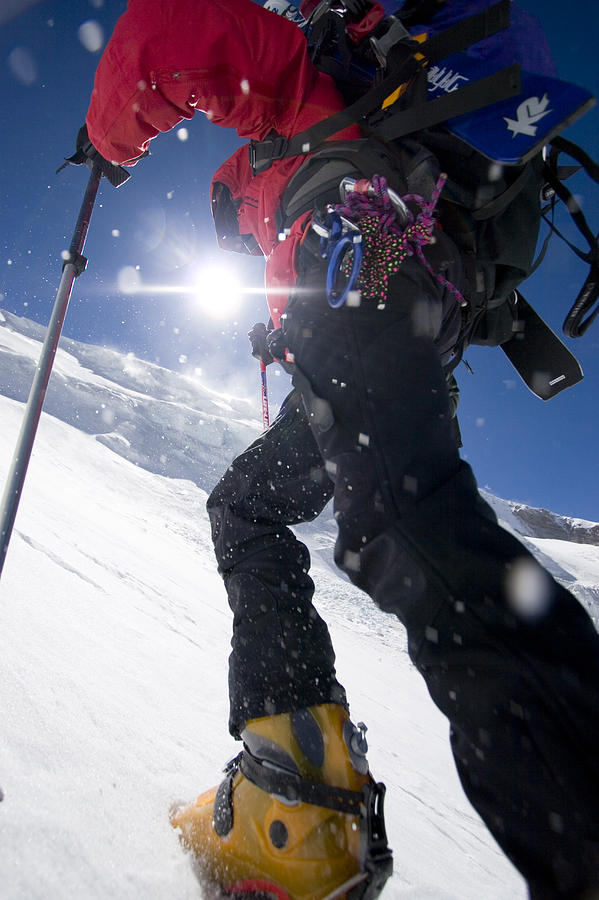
{"x": 498, "y": 86}
{"x": 541, "y": 254}
{"x": 563, "y": 145}
{"x": 466, "y": 32}
{"x": 453, "y": 40}
{"x": 294, "y": 788}
{"x": 419, "y": 12}
{"x": 263, "y": 153}
{"x": 581, "y": 313}
{"x": 575, "y": 323}
{"x": 499, "y": 203}
{"x": 578, "y": 217}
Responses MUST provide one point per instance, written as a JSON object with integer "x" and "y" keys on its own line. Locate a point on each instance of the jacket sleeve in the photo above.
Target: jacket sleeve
{"x": 243, "y": 66}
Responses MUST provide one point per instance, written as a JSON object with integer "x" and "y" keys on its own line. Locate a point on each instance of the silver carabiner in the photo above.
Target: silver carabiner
{"x": 348, "y": 184}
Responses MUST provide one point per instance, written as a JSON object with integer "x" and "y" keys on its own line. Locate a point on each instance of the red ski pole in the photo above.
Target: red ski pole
{"x": 265, "y": 413}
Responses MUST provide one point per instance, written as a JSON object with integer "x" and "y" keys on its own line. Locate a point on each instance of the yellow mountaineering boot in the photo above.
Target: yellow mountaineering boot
{"x": 298, "y": 817}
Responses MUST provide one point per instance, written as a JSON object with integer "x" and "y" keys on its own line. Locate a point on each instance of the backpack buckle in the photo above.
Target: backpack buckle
{"x": 395, "y": 33}
{"x": 263, "y": 153}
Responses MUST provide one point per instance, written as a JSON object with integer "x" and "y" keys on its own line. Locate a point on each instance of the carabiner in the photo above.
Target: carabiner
{"x": 338, "y": 236}
{"x": 343, "y": 245}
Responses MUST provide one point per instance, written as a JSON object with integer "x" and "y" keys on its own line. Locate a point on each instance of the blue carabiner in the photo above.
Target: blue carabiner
{"x": 336, "y": 258}
{"x": 337, "y": 235}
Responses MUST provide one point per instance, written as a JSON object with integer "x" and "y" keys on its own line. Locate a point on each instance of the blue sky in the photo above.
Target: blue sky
{"x": 540, "y": 453}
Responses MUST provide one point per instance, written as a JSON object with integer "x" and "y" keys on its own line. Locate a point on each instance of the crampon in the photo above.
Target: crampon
{"x": 297, "y": 816}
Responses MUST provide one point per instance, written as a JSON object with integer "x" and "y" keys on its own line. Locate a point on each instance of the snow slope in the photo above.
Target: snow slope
{"x": 115, "y": 633}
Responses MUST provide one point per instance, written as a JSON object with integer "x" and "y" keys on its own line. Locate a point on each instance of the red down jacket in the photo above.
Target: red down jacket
{"x": 245, "y": 68}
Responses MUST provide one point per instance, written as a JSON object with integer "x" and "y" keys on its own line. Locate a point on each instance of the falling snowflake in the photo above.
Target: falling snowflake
{"x": 495, "y": 171}
{"x": 23, "y": 66}
{"x": 128, "y": 280}
{"x": 528, "y": 589}
{"x": 91, "y": 35}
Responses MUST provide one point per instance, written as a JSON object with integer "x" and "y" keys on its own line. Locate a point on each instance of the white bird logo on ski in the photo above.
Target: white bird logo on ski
{"x": 528, "y": 114}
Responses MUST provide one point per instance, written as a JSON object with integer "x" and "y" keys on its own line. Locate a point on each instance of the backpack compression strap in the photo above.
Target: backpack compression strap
{"x": 457, "y": 38}
{"x": 498, "y": 86}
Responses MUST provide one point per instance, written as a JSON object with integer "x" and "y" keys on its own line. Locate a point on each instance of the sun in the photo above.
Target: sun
{"x": 217, "y": 291}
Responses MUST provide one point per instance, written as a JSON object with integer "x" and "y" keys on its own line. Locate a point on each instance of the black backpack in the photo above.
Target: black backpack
{"x": 492, "y": 213}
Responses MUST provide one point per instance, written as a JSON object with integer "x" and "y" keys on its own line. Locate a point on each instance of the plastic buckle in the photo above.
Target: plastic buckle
{"x": 263, "y": 153}
{"x": 395, "y": 33}
{"x": 233, "y": 764}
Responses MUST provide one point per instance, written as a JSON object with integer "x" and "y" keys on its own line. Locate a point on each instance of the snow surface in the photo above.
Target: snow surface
{"x": 115, "y": 632}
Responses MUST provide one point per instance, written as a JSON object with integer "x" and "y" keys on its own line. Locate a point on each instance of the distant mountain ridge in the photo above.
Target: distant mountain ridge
{"x": 541, "y": 523}
{"x": 163, "y": 421}
{"x": 546, "y": 524}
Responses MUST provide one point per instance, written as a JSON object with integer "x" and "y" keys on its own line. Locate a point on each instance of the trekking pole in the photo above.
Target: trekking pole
{"x": 73, "y": 266}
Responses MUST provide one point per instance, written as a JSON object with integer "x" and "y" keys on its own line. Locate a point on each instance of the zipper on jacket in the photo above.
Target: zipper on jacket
{"x": 163, "y": 75}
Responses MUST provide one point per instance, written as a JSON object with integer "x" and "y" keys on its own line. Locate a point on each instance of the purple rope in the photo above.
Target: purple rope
{"x": 413, "y": 235}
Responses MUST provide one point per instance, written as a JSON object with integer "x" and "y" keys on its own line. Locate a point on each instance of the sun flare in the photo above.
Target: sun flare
{"x": 217, "y": 292}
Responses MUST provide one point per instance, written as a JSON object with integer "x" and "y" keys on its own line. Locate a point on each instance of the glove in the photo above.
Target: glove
{"x": 87, "y": 153}
{"x": 258, "y": 339}
{"x": 85, "y": 150}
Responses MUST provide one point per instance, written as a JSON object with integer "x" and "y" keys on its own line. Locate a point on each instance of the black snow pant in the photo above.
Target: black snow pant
{"x": 508, "y": 655}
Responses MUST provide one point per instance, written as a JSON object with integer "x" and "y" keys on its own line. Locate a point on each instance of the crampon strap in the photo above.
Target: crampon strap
{"x": 295, "y": 789}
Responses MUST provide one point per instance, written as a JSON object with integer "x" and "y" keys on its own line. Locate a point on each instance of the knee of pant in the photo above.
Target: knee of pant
{"x": 214, "y": 501}
{"x": 220, "y": 511}
{"x": 224, "y": 492}
{"x": 214, "y": 506}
